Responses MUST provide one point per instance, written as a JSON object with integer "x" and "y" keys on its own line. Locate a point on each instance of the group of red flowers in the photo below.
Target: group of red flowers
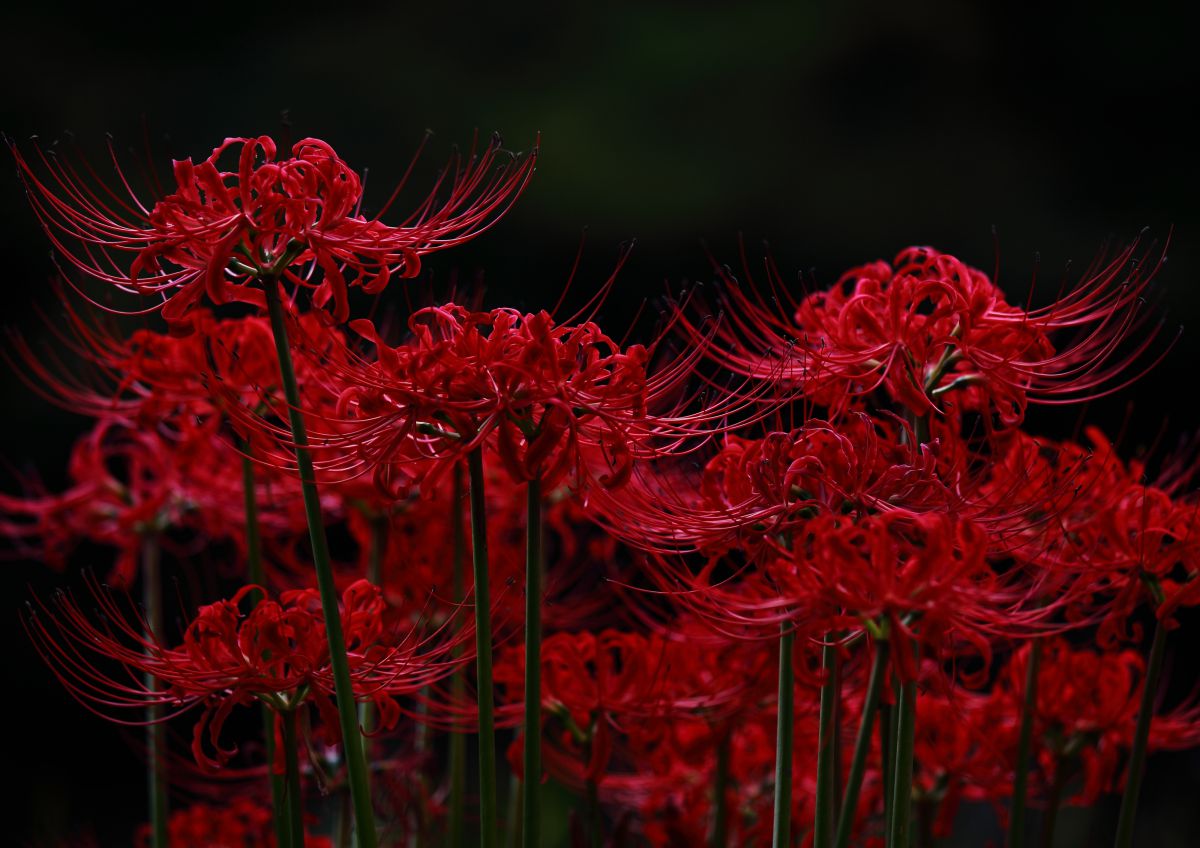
{"x": 792, "y": 573}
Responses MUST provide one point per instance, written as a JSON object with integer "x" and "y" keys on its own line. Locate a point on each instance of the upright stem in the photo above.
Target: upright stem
{"x": 902, "y": 781}
{"x": 887, "y": 736}
{"x": 483, "y": 653}
{"x": 516, "y": 789}
{"x": 156, "y": 732}
{"x": 356, "y": 766}
{"x": 256, "y": 575}
{"x": 1063, "y": 771}
{"x": 823, "y": 821}
{"x": 1137, "y": 756}
{"x": 862, "y": 743}
{"x": 378, "y": 547}
{"x": 1016, "y": 825}
{"x": 458, "y": 741}
{"x": 295, "y": 790}
{"x": 781, "y": 834}
{"x": 531, "y": 809}
{"x": 720, "y": 834}
{"x": 254, "y": 562}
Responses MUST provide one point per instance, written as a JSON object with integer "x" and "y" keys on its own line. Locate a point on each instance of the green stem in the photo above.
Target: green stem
{"x": 295, "y": 790}
{"x": 156, "y": 731}
{"x": 516, "y": 789}
{"x": 720, "y": 835}
{"x": 458, "y": 741}
{"x": 254, "y": 562}
{"x": 899, "y": 832}
{"x": 1137, "y": 756}
{"x": 531, "y": 808}
{"x": 887, "y": 733}
{"x": 823, "y": 820}
{"x": 781, "y": 833}
{"x": 255, "y": 574}
{"x": 375, "y": 554}
{"x": 356, "y": 765}
{"x": 483, "y": 653}
{"x": 862, "y": 743}
{"x": 1062, "y": 773}
{"x": 1016, "y": 826}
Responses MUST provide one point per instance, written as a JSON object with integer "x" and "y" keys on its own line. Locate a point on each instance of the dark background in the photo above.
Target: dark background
{"x": 840, "y": 132}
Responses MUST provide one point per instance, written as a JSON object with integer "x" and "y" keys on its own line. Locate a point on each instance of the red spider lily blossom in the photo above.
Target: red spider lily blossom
{"x": 128, "y": 482}
{"x": 276, "y": 653}
{"x": 245, "y": 213}
{"x": 1087, "y": 703}
{"x": 242, "y": 823}
{"x": 597, "y": 687}
{"x": 554, "y": 400}
{"x": 927, "y": 326}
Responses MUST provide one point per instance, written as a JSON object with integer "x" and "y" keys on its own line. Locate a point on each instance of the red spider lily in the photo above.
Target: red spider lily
{"x": 599, "y": 686}
{"x": 1109, "y": 537}
{"x": 928, "y": 325}
{"x": 276, "y": 652}
{"x": 551, "y": 396}
{"x": 128, "y": 482}
{"x": 244, "y": 213}
{"x": 242, "y": 823}
{"x": 1086, "y": 708}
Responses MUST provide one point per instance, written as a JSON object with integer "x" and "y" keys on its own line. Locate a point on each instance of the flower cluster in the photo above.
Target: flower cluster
{"x": 778, "y": 576}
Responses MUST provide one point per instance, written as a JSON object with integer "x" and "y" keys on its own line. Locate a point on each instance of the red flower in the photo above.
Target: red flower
{"x": 277, "y": 652}
{"x": 244, "y": 214}
{"x": 928, "y": 325}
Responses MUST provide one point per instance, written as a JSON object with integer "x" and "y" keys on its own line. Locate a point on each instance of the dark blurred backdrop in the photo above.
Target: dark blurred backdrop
{"x": 838, "y": 132}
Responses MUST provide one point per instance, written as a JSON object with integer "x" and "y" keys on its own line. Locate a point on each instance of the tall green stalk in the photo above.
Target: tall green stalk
{"x": 862, "y": 743}
{"x": 1137, "y": 755}
{"x": 156, "y": 731}
{"x": 356, "y": 765}
{"x": 483, "y": 653}
{"x": 887, "y": 734}
{"x": 1016, "y": 825}
{"x": 823, "y": 822}
{"x": 720, "y": 834}
{"x": 531, "y": 813}
{"x": 294, "y": 790}
{"x": 458, "y": 741}
{"x": 781, "y": 834}
{"x": 257, "y": 576}
{"x": 900, "y": 830}
{"x": 380, "y": 525}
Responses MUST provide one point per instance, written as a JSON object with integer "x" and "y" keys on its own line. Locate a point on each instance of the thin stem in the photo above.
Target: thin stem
{"x": 720, "y": 834}
{"x": 781, "y": 833}
{"x": 254, "y": 562}
{"x": 255, "y": 574}
{"x": 356, "y": 766}
{"x": 295, "y": 790}
{"x": 899, "y": 832}
{"x": 379, "y": 525}
{"x": 887, "y": 733}
{"x": 862, "y": 743}
{"x": 531, "y": 813}
{"x": 156, "y": 731}
{"x": 1016, "y": 826}
{"x": 483, "y": 653}
{"x": 823, "y": 821}
{"x": 1063, "y": 771}
{"x": 1137, "y": 756}
{"x": 458, "y": 741}
{"x": 516, "y": 789}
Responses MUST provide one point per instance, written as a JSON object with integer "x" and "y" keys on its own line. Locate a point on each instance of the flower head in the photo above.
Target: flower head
{"x": 246, "y": 213}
